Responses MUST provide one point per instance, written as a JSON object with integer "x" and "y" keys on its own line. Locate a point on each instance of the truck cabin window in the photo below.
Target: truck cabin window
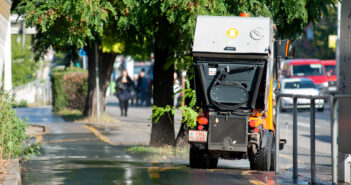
{"x": 331, "y": 70}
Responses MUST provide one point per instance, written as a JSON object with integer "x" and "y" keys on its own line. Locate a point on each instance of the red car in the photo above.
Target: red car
{"x": 330, "y": 69}
{"x": 307, "y": 68}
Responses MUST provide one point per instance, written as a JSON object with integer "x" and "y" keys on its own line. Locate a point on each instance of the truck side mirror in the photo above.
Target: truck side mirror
{"x": 290, "y": 49}
{"x": 285, "y": 49}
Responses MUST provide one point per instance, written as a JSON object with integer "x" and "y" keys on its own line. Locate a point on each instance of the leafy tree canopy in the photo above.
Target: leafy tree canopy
{"x": 150, "y": 18}
{"x": 64, "y": 24}
{"x": 315, "y": 44}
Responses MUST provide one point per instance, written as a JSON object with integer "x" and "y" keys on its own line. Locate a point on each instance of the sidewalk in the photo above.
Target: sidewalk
{"x": 138, "y": 121}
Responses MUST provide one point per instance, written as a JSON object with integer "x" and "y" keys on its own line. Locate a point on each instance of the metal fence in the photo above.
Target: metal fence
{"x": 333, "y": 100}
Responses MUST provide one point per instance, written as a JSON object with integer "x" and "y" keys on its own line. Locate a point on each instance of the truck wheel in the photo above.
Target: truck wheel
{"x": 213, "y": 162}
{"x": 194, "y": 157}
{"x": 262, "y": 159}
{"x": 201, "y": 158}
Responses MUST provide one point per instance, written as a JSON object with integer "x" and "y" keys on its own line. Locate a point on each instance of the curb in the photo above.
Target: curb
{"x": 13, "y": 173}
{"x": 34, "y": 130}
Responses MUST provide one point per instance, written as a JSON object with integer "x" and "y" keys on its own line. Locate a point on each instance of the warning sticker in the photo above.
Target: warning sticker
{"x": 212, "y": 71}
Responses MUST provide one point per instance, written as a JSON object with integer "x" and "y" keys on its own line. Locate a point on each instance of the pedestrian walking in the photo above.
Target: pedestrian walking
{"x": 135, "y": 93}
{"x": 124, "y": 85}
{"x": 143, "y": 87}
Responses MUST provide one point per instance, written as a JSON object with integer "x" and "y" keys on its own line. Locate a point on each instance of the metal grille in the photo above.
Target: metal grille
{"x": 230, "y": 131}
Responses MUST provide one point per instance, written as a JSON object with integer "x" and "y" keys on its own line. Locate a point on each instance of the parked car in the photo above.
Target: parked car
{"x": 330, "y": 70}
{"x": 299, "y": 86}
{"x": 307, "y": 68}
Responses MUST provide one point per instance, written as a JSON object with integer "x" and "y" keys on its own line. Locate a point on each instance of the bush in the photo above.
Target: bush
{"x": 69, "y": 88}
{"x": 13, "y": 140}
{"x": 22, "y": 103}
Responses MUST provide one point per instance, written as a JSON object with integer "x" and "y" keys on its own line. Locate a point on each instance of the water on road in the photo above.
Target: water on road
{"x": 73, "y": 153}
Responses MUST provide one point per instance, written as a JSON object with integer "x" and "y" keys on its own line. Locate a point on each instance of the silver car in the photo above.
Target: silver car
{"x": 299, "y": 86}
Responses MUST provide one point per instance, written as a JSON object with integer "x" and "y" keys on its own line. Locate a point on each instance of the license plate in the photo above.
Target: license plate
{"x": 332, "y": 88}
{"x": 197, "y": 136}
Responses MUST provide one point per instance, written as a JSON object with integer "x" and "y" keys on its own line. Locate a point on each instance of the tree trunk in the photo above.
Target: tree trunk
{"x": 105, "y": 61}
{"x": 182, "y": 136}
{"x": 162, "y": 133}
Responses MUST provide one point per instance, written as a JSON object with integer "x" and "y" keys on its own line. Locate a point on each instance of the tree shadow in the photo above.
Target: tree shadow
{"x": 323, "y": 138}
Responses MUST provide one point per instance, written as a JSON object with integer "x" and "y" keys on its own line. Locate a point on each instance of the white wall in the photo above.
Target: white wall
{"x": 34, "y": 92}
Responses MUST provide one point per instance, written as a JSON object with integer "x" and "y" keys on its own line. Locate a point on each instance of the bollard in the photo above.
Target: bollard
{"x": 295, "y": 138}
{"x": 277, "y": 136}
{"x": 313, "y": 140}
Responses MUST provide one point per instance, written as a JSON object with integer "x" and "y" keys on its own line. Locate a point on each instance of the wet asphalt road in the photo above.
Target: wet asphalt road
{"x": 71, "y": 153}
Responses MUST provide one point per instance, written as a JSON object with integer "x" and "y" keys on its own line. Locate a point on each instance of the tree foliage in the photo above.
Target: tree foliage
{"x": 67, "y": 25}
{"x": 146, "y": 19}
{"x": 317, "y": 46}
{"x": 23, "y": 65}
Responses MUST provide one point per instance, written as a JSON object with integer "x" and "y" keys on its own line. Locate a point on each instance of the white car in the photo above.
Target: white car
{"x": 299, "y": 86}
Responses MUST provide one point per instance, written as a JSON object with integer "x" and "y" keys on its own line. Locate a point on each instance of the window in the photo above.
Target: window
{"x": 330, "y": 70}
{"x": 299, "y": 85}
{"x": 307, "y": 70}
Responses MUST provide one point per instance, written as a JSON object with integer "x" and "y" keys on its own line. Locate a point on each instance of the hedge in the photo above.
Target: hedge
{"x": 69, "y": 88}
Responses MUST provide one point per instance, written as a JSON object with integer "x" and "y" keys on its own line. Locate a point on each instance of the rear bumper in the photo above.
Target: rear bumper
{"x": 287, "y": 103}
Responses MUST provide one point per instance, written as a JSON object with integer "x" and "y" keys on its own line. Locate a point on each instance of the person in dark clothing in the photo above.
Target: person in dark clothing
{"x": 124, "y": 85}
{"x": 134, "y": 94}
{"x": 143, "y": 88}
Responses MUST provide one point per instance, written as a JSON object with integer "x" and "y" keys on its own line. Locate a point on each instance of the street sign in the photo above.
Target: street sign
{"x": 332, "y": 41}
{"x": 82, "y": 53}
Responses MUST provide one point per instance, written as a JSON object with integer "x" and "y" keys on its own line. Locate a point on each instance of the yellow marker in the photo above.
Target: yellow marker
{"x": 99, "y": 135}
{"x": 250, "y": 178}
{"x": 232, "y": 33}
{"x": 68, "y": 140}
{"x": 39, "y": 139}
{"x": 257, "y": 182}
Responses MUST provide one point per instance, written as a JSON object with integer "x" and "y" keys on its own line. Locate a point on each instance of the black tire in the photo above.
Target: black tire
{"x": 262, "y": 159}
{"x": 194, "y": 157}
{"x": 201, "y": 158}
{"x": 213, "y": 162}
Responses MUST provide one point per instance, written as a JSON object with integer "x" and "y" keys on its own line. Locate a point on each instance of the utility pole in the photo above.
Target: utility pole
{"x": 97, "y": 82}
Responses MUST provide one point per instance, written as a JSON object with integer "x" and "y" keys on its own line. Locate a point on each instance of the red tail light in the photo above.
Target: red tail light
{"x": 202, "y": 120}
{"x": 200, "y": 127}
{"x": 244, "y": 14}
{"x": 252, "y": 123}
{"x": 256, "y": 130}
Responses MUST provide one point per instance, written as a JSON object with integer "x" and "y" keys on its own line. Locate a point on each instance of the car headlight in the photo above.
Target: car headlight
{"x": 325, "y": 84}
